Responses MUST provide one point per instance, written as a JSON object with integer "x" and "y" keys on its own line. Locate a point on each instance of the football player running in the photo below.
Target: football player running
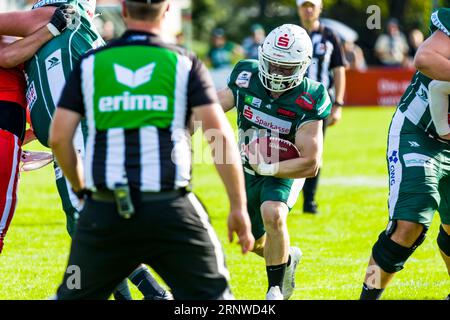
{"x": 273, "y": 98}
{"x": 418, "y": 160}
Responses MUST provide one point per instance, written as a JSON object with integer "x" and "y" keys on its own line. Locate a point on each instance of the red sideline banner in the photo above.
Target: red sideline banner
{"x": 377, "y": 86}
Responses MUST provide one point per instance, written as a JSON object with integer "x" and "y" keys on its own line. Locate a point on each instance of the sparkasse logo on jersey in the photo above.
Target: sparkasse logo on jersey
{"x": 267, "y": 121}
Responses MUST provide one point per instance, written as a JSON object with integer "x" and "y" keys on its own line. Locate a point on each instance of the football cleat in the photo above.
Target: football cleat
{"x": 289, "y": 276}
{"x": 274, "y": 294}
{"x": 310, "y": 207}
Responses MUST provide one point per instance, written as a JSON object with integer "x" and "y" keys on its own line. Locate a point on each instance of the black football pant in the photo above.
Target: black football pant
{"x": 172, "y": 236}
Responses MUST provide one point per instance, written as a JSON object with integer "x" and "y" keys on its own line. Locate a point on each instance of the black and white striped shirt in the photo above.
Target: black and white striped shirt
{"x": 137, "y": 95}
{"x": 327, "y": 55}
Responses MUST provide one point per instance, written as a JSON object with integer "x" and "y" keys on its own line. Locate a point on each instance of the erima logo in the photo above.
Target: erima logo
{"x": 52, "y": 62}
{"x": 134, "y": 79}
{"x": 422, "y": 93}
{"x": 128, "y": 102}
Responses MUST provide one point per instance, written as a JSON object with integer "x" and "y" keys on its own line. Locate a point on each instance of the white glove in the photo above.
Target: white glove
{"x": 33, "y": 160}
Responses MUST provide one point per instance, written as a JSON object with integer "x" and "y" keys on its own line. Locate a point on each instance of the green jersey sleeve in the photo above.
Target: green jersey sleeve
{"x": 440, "y": 20}
{"x": 315, "y": 102}
{"x": 242, "y": 74}
{"x": 323, "y": 104}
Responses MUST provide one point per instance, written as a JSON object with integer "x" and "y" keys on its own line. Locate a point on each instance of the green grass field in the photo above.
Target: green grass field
{"x": 336, "y": 244}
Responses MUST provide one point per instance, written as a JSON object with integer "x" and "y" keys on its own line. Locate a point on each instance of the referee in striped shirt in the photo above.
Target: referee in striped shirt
{"x": 137, "y": 95}
{"x": 328, "y": 68}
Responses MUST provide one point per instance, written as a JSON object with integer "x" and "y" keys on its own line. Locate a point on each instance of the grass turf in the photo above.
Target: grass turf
{"x": 336, "y": 244}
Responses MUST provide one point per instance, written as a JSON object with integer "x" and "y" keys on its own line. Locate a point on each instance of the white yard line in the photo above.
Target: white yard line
{"x": 356, "y": 181}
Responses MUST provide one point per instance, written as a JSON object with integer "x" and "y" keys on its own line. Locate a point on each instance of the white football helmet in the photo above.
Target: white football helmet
{"x": 284, "y": 58}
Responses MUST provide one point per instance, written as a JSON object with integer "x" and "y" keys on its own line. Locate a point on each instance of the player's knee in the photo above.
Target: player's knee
{"x": 274, "y": 215}
{"x": 389, "y": 254}
{"x": 443, "y": 240}
{"x": 405, "y": 233}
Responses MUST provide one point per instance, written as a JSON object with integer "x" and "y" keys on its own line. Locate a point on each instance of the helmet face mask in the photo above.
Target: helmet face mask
{"x": 284, "y": 58}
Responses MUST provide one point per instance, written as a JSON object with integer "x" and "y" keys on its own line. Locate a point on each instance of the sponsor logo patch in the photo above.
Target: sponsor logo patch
{"x": 129, "y": 102}
{"x": 417, "y": 160}
{"x": 267, "y": 121}
{"x": 305, "y": 101}
{"x": 422, "y": 93}
{"x": 287, "y": 113}
{"x": 253, "y": 101}
{"x": 393, "y": 159}
{"x": 243, "y": 79}
{"x": 284, "y": 42}
{"x": 58, "y": 173}
{"x": 31, "y": 95}
{"x": 53, "y": 62}
{"x": 134, "y": 79}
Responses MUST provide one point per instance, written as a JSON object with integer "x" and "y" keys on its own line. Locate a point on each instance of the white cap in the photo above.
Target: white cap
{"x": 317, "y": 3}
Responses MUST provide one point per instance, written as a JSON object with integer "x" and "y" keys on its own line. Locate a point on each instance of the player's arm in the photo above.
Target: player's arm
{"x": 226, "y": 99}
{"x": 20, "y": 51}
{"x": 309, "y": 141}
{"x": 24, "y": 23}
{"x": 439, "y": 91}
{"x": 62, "y": 132}
{"x": 432, "y": 57}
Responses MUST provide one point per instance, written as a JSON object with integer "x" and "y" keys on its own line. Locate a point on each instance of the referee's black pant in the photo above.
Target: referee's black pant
{"x": 173, "y": 236}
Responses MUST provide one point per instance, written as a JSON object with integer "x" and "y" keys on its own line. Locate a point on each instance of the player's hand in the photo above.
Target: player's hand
{"x": 335, "y": 116}
{"x": 239, "y": 223}
{"x": 445, "y": 137}
{"x": 63, "y": 17}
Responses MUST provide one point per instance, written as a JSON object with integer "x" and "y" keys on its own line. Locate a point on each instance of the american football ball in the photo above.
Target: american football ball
{"x": 271, "y": 150}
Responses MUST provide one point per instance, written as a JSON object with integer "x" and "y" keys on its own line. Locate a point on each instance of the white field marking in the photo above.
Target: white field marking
{"x": 356, "y": 181}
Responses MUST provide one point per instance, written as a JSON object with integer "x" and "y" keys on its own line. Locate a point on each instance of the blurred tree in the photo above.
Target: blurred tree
{"x": 236, "y": 16}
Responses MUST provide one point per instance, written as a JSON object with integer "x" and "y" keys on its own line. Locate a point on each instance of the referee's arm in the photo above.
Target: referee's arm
{"x": 227, "y": 160}
{"x": 62, "y": 131}
{"x": 204, "y": 103}
{"x": 338, "y": 67}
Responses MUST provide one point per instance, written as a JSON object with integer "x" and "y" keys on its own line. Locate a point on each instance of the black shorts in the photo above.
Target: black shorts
{"x": 13, "y": 118}
{"x": 173, "y": 236}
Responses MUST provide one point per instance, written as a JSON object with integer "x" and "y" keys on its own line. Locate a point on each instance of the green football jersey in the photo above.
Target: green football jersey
{"x": 259, "y": 114}
{"x": 415, "y": 101}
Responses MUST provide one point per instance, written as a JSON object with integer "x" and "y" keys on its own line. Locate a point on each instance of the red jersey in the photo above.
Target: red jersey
{"x": 13, "y": 86}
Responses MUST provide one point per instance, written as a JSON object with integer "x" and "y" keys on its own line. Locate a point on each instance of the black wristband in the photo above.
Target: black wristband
{"x": 62, "y": 17}
{"x": 339, "y": 104}
{"x": 81, "y": 194}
